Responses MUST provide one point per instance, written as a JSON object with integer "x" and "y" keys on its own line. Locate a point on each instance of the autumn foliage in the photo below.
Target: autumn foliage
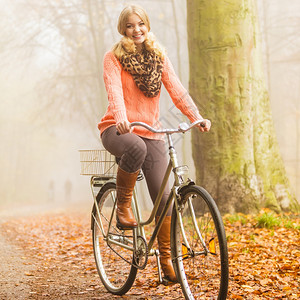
{"x": 264, "y": 252}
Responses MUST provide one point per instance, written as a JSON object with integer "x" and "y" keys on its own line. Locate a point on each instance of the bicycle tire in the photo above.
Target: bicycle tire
{"x": 202, "y": 275}
{"x": 116, "y": 274}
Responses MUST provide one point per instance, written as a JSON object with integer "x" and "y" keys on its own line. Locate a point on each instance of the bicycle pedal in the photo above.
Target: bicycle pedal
{"x": 121, "y": 227}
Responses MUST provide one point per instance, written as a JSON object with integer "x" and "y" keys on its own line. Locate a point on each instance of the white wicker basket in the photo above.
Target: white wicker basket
{"x": 97, "y": 162}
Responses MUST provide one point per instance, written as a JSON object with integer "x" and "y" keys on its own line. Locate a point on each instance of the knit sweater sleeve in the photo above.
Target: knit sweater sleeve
{"x": 178, "y": 93}
{"x": 113, "y": 84}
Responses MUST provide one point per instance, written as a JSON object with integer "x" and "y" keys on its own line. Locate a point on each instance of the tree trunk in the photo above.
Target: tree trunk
{"x": 238, "y": 161}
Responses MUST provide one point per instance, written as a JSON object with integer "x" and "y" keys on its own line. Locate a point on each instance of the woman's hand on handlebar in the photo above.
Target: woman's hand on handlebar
{"x": 204, "y": 125}
{"x": 123, "y": 127}
{"x": 126, "y": 127}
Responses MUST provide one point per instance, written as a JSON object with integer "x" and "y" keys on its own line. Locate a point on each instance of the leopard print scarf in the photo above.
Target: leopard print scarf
{"x": 146, "y": 69}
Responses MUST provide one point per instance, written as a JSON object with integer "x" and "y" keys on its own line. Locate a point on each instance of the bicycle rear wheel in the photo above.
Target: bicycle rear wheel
{"x": 202, "y": 268}
{"x": 113, "y": 261}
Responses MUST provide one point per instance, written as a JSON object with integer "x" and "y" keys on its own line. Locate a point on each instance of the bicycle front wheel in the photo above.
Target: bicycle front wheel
{"x": 199, "y": 247}
{"x": 111, "y": 246}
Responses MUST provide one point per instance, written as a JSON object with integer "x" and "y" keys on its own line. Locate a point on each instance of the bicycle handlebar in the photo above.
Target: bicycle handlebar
{"x": 182, "y": 127}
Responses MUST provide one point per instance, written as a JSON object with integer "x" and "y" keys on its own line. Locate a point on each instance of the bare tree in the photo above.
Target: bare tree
{"x": 71, "y": 35}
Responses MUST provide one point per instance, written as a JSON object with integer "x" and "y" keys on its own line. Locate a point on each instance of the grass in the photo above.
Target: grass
{"x": 266, "y": 219}
{"x": 290, "y": 223}
{"x": 238, "y": 217}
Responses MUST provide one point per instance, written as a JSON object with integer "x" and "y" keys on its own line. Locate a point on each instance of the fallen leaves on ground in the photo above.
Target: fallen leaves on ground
{"x": 264, "y": 263}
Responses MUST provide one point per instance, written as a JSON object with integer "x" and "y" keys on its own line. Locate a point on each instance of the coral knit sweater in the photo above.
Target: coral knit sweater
{"x": 127, "y": 102}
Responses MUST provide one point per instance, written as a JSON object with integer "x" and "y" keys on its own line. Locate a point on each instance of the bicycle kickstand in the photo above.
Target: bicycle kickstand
{"x": 160, "y": 279}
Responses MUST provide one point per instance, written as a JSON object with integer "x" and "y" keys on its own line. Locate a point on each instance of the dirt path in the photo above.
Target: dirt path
{"x": 22, "y": 278}
{"x": 31, "y": 271}
{"x": 14, "y": 284}
{"x": 21, "y": 273}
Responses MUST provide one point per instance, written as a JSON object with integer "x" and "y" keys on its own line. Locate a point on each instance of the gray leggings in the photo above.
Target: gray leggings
{"x": 136, "y": 153}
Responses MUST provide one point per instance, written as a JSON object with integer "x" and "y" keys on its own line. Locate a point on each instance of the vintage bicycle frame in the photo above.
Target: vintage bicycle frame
{"x": 178, "y": 184}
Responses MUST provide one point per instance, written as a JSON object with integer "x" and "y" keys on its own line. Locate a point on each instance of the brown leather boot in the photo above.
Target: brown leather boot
{"x": 165, "y": 249}
{"x": 125, "y": 185}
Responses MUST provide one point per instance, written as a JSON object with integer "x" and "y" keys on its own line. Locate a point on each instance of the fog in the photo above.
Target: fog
{"x": 280, "y": 24}
{"x": 52, "y": 93}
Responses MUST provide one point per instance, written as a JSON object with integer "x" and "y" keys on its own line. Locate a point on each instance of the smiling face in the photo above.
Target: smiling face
{"x": 136, "y": 29}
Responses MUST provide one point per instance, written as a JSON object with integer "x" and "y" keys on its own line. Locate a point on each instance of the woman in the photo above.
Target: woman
{"x": 134, "y": 70}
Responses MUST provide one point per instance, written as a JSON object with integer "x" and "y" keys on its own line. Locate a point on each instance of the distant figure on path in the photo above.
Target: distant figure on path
{"x": 68, "y": 190}
{"x": 51, "y": 192}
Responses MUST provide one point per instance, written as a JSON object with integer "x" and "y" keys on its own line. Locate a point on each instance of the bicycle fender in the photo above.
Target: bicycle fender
{"x": 113, "y": 180}
{"x": 182, "y": 187}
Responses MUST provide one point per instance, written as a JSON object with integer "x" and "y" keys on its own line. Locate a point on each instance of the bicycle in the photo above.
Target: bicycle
{"x": 198, "y": 241}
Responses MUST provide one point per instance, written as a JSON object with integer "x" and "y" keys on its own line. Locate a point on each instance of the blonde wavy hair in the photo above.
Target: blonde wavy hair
{"x": 126, "y": 45}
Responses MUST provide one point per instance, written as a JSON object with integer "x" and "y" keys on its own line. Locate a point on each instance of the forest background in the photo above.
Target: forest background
{"x": 52, "y": 93}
